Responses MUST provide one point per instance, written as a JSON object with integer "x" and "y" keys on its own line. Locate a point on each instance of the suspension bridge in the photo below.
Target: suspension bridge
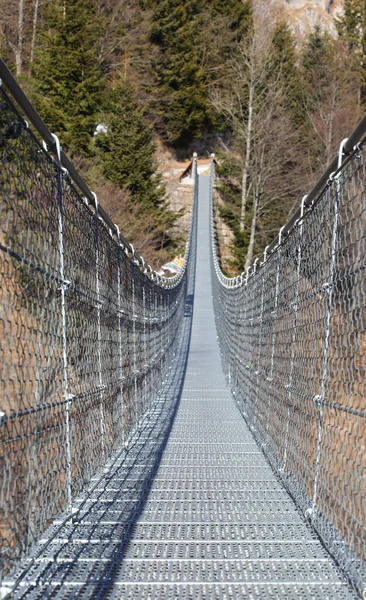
{"x": 192, "y": 437}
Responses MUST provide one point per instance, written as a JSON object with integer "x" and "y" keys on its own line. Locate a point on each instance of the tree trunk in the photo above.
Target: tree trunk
{"x": 35, "y": 19}
{"x": 329, "y": 132}
{"x": 253, "y": 227}
{"x": 246, "y": 161}
{"x": 19, "y": 47}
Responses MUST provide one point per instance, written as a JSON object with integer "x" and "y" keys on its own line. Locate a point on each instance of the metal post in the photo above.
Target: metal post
{"x": 328, "y": 290}
{"x": 274, "y": 315}
{"x": 135, "y": 371}
{"x": 120, "y": 344}
{"x": 292, "y": 359}
{"x": 259, "y": 350}
{"x": 99, "y": 305}
{"x": 144, "y": 360}
{"x": 64, "y": 286}
{"x": 162, "y": 327}
{"x": 252, "y": 367}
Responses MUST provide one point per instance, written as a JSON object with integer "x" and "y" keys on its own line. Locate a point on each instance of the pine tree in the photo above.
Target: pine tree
{"x": 285, "y": 67}
{"x": 126, "y": 149}
{"x": 180, "y": 79}
{"x": 330, "y": 96}
{"x": 186, "y": 32}
{"x": 126, "y": 155}
{"x": 352, "y": 30}
{"x": 67, "y": 78}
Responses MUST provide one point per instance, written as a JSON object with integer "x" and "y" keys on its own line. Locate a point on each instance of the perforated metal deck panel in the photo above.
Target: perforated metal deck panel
{"x": 216, "y": 522}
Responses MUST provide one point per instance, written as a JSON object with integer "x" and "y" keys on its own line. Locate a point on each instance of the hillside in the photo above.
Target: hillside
{"x": 303, "y": 15}
{"x": 133, "y": 88}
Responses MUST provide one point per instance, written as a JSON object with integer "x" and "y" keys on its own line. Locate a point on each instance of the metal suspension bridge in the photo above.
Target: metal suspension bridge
{"x": 192, "y": 437}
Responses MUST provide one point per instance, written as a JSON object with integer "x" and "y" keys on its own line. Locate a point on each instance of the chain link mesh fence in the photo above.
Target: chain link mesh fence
{"x": 293, "y": 343}
{"x": 87, "y": 335}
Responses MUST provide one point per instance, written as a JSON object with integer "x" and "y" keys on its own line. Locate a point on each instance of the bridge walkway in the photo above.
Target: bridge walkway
{"x": 204, "y": 519}
{"x": 217, "y": 523}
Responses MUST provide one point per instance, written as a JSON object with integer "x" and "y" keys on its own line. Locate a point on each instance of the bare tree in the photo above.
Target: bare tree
{"x": 264, "y": 140}
{"x": 18, "y": 29}
{"x": 34, "y": 30}
{"x": 331, "y": 101}
{"x": 241, "y": 99}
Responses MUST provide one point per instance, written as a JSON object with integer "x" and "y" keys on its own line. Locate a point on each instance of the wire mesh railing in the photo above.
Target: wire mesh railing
{"x": 293, "y": 343}
{"x": 87, "y": 334}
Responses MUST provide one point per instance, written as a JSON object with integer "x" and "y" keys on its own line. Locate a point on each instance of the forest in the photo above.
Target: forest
{"x": 114, "y": 78}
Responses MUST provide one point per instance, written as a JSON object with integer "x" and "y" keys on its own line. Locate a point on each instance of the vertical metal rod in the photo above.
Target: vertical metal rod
{"x": 99, "y": 326}
{"x": 64, "y": 286}
{"x": 259, "y": 350}
{"x": 252, "y": 367}
{"x": 134, "y": 357}
{"x": 162, "y": 332}
{"x": 293, "y": 339}
{"x": 120, "y": 343}
{"x": 274, "y": 314}
{"x": 156, "y": 348}
{"x": 145, "y": 344}
{"x": 328, "y": 290}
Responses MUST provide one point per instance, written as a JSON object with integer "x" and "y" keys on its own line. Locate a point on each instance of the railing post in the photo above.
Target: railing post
{"x": 328, "y": 290}
{"x": 120, "y": 343}
{"x": 274, "y": 315}
{"x": 259, "y": 350}
{"x": 162, "y": 306}
{"x": 134, "y": 357}
{"x": 293, "y": 339}
{"x": 99, "y": 326}
{"x": 64, "y": 286}
{"x": 144, "y": 344}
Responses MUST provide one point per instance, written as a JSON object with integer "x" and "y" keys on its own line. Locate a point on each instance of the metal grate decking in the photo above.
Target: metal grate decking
{"x": 216, "y": 522}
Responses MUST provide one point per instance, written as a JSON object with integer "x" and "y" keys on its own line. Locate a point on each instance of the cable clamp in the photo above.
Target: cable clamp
{"x": 5, "y": 591}
{"x": 309, "y": 513}
{"x": 341, "y": 152}
{"x": 96, "y": 204}
{"x": 58, "y": 147}
{"x": 66, "y": 284}
{"x": 118, "y": 235}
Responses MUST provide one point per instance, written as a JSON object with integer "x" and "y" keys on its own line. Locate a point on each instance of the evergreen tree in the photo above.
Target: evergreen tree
{"x": 184, "y": 31}
{"x": 67, "y": 78}
{"x": 180, "y": 78}
{"x": 352, "y": 30}
{"x": 126, "y": 149}
{"x": 126, "y": 154}
{"x": 285, "y": 67}
{"x": 330, "y": 96}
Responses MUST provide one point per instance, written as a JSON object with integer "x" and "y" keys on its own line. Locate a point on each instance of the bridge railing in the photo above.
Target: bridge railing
{"x": 293, "y": 343}
{"x": 87, "y": 330}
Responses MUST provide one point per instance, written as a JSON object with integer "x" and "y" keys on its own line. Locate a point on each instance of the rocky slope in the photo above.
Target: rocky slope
{"x": 302, "y": 15}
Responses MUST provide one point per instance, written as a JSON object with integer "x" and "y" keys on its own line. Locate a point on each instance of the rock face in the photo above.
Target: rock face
{"x": 303, "y": 15}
